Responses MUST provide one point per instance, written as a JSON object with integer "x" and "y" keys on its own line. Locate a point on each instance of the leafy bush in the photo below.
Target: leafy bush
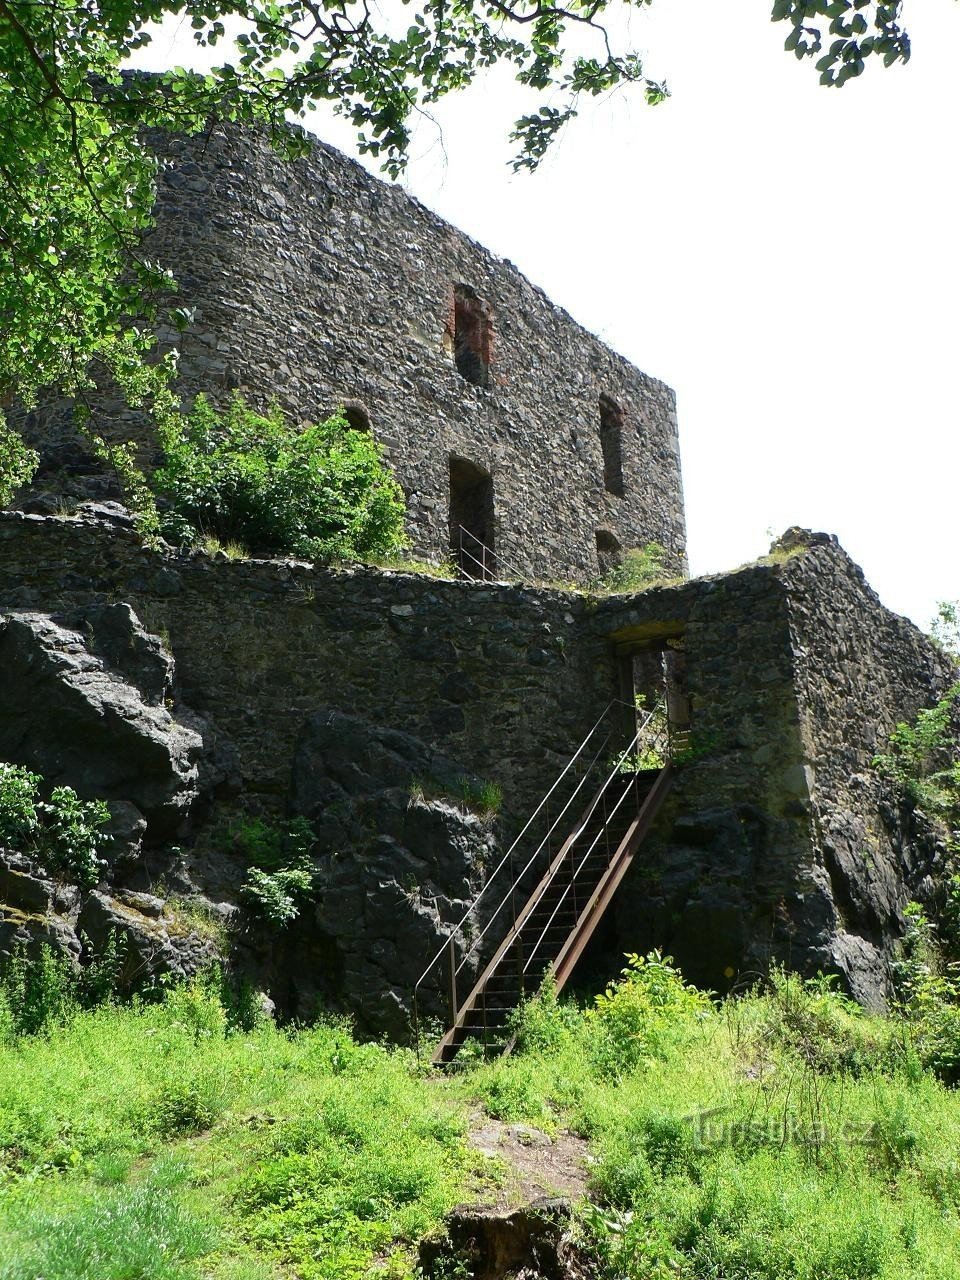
{"x": 256, "y": 480}
{"x": 265, "y": 843}
{"x": 19, "y": 820}
{"x": 824, "y": 1028}
{"x": 182, "y": 1107}
{"x": 639, "y": 1016}
{"x": 17, "y": 462}
{"x": 72, "y": 836}
{"x": 64, "y": 833}
{"x": 277, "y": 896}
{"x": 280, "y": 864}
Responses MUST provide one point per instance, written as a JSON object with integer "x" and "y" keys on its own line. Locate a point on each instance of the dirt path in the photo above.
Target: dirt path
{"x": 540, "y": 1166}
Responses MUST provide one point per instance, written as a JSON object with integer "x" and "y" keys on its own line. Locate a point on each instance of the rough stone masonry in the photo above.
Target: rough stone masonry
{"x": 317, "y": 285}
{"x": 183, "y": 687}
{"x": 778, "y": 843}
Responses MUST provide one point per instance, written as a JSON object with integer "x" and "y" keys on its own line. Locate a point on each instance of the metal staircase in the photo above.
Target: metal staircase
{"x": 572, "y": 854}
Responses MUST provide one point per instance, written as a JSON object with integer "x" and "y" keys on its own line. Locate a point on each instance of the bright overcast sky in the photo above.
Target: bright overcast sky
{"x": 785, "y": 256}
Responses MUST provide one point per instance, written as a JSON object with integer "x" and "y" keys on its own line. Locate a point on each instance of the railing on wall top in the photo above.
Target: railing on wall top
{"x": 480, "y": 563}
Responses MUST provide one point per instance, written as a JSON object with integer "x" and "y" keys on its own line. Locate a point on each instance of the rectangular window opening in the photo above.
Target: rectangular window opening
{"x": 611, "y": 444}
{"x": 472, "y": 335}
{"x": 472, "y": 520}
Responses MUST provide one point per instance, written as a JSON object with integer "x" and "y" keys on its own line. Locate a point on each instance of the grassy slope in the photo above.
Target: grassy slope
{"x": 155, "y": 1144}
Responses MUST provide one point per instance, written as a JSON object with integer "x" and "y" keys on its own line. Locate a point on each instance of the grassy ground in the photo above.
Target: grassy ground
{"x": 782, "y": 1137}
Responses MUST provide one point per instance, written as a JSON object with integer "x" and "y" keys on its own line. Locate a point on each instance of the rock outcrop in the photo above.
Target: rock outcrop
{"x": 83, "y": 703}
{"x": 153, "y": 939}
{"x": 396, "y": 870}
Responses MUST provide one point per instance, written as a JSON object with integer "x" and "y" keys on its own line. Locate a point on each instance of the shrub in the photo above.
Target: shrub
{"x": 268, "y": 845}
{"x": 64, "y": 833}
{"x": 277, "y": 896}
{"x": 638, "y": 1017}
{"x": 280, "y": 865}
{"x": 73, "y": 835}
{"x": 256, "y": 480}
{"x": 19, "y": 794}
{"x": 823, "y": 1027}
{"x": 181, "y": 1107}
{"x": 922, "y": 759}
{"x": 17, "y": 462}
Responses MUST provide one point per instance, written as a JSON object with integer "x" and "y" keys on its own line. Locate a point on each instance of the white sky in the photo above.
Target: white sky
{"x": 783, "y": 255}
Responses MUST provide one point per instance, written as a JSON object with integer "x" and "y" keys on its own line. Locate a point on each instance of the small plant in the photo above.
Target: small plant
{"x": 232, "y": 550}
{"x": 19, "y": 820}
{"x": 280, "y": 876}
{"x": 280, "y": 861}
{"x": 65, "y": 833}
{"x": 266, "y": 843}
{"x": 17, "y": 462}
{"x": 194, "y": 915}
{"x": 640, "y": 568}
{"x": 476, "y": 795}
{"x": 37, "y": 991}
{"x": 73, "y": 836}
{"x": 277, "y": 896}
{"x": 637, "y": 1017}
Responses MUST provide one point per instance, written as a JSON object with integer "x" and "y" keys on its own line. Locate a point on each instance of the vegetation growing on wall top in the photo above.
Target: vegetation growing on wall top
{"x": 242, "y": 480}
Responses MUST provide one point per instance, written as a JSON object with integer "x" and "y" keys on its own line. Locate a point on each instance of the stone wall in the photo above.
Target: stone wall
{"x": 859, "y": 670}
{"x": 722, "y": 876}
{"x": 777, "y": 842}
{"x": 314, "y": 283}
{"x": 499, "y": 678}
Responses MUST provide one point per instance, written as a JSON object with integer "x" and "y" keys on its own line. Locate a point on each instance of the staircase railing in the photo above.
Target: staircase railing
{"x": 584, "y": 779}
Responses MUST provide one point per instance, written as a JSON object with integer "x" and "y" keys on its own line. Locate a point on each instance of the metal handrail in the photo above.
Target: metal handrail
{"x": 661, "y": 741}
{"x": 449, "y": 947}
{"x": 523, "y": 831}
{"x": 658, "y": 709}
{"x": 487, "y": 557}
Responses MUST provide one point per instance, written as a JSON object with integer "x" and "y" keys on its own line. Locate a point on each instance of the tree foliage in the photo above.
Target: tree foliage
{"x": 77, "y": 184}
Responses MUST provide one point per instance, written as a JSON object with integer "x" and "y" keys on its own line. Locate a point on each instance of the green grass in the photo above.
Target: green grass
{"x": 786, "y": 1136}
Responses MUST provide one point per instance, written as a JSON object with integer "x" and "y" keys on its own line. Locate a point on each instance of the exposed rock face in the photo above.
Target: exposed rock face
{"x": 859, "y": 669}
{"x": 395, "y": 872}
{"x": 82, "y": 703}
{"x": 529, "y": 1243}
{"x": 36, "y": 910}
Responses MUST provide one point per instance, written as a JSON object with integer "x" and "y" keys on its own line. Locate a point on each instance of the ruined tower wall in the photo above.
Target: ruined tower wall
{"x": 859, "y": 671}
{"x": 314, "y": 283}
